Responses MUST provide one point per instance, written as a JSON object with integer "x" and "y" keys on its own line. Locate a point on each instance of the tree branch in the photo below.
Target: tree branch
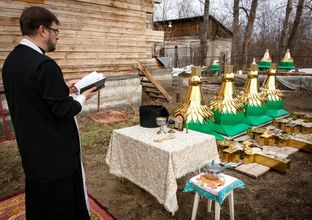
{"x": 308, "y": 7}
{"x": 245, "y": 10}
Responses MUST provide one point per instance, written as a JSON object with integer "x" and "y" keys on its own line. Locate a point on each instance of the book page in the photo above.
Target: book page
{"x": 88, "y": 80}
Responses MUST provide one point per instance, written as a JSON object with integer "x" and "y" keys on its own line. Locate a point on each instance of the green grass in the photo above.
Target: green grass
{"x": 11, "y": 172}
{"x": 93, "y": 134}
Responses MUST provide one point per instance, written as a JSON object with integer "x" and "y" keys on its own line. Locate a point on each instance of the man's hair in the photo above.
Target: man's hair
{"x": 32, "y": 17}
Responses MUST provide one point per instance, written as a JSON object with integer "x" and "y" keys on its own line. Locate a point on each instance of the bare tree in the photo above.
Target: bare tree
{"x": 249, "y": 31}
{"x": 293, "y": 33}
{"x": 169, "y": 9}
{"x": 285, "y": 29}
{"x": 235, "y": 30}
{"x": 201, "y": 7}
{"x": 204, "y": 34}
{"x": 185, "y": 8}
{"x": 266, "y": 29}
{"x": 309, "y": 5}
{"x": 163, "y": 10}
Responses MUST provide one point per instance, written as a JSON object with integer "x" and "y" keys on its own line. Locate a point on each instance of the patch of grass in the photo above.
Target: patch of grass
{"x": 11, "y": 172}
{"x": 95, "y": 137}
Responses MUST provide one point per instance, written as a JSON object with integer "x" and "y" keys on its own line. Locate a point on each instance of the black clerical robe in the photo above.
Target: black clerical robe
{"x": 43, "y": 114}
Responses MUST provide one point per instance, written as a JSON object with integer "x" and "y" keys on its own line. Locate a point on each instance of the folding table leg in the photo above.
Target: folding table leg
{"x": 195, "y": 206}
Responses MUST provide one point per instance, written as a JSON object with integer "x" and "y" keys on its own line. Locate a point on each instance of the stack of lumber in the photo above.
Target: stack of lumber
{"x": 151, "y": 86}
{"x": 108, "y": 36}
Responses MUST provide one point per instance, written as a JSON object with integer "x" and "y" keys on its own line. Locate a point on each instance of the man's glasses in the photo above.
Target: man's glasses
{"x": 56, "y": 31}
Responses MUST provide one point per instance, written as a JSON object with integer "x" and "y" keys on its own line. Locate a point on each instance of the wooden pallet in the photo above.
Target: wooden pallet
{"x": 151, "y": 86}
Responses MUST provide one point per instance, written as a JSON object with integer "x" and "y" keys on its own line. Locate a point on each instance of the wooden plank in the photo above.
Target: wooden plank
{"x": 84, "y": 61}
{"x": 252, "y": 169}
{"x": 95, "y": 55}
{"x": 9, "y": 30}
{"x": 95, "y": 61}
{"x": 83, "y": 7}
{"x": 108, "y": 67}
{"x": 155, "y": 83}
{"x": 147, "y": 84}
{"x": 109, "y": 43}
{"x": 111, "y": 70}
{"x": 151, "y": 90}
{"x": 10, "y": 12}
{"x": 140, "y": 73}
{"x": 121, "y": 4}
{"x": 32, "y": 1}
{"x": 100, "y": 22}
{"x": 79, "y": 75}
{"x": 100, "y": 14}
{"x": 145, "y": 81}
{"x": 9, "y": 21}
{"x": 68, "y": 34}
{"x": 77, "y": 18}
{"x": 101, "y": 35}
{"x": 8, "y": 4}
{"x": 82, "y": 48}
{"x": 156, "y": 96}
{"x": 69, "y": 40}
{"x": 96, "y": 5}
{"x": 103, "y": 28}
{"x": 95, "y": 10}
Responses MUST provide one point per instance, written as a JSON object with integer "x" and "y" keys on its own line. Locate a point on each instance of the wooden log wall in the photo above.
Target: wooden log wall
{"x": 108, "y": 36}
{"x": 191, "y": 26}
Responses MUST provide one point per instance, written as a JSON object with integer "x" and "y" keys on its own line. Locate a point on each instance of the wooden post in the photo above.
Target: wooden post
{"x": 99, "y": 100}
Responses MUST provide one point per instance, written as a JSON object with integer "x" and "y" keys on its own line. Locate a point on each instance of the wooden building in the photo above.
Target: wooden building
{"x": 108, "y": 36}
{"x": 184, "y": 34}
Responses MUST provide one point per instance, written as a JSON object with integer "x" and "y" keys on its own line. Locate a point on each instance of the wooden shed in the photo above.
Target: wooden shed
{"x": 184, "y": 34}
{"x": 108, "y": 36}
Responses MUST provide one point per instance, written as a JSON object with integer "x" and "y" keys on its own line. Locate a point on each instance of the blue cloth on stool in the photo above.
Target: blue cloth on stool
{"x": 218, "y": 194}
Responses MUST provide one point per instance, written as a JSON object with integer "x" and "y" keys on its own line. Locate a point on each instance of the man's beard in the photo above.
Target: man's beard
{"x": 51, "y": 46}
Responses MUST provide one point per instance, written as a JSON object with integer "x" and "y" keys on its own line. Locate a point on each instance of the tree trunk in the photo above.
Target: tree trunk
{"x": 295, "y": 26}
{"x": 248, "y": 31}
{"x": 235, "y": 30}
{"x": 204, "y": 34}
{"x": 285, "y": 31}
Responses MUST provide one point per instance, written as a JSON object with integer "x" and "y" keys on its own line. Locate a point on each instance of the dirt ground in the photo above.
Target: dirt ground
{"x": 271, "y": 196}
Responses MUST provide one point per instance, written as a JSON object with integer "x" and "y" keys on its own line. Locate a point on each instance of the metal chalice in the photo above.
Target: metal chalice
{"x": 161, "y": 122}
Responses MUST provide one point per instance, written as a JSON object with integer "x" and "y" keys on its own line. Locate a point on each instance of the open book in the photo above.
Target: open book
{"x": 89, "y": 81}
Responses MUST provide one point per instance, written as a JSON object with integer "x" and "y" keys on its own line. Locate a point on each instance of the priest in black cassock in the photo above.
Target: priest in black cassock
{"x": 43, "y": 116}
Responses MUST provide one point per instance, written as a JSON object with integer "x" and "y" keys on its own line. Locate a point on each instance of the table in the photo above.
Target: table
{"x": 155, "y": 166}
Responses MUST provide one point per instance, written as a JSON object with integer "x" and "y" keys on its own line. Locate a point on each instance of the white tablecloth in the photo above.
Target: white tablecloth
{"x": 154, "y": 166}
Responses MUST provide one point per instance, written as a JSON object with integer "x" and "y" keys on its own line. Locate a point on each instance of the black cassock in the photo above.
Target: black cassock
{"x": 43, "y": 114}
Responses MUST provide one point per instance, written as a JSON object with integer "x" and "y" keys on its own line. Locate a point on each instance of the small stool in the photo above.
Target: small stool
{"x": 217, "y": 194}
